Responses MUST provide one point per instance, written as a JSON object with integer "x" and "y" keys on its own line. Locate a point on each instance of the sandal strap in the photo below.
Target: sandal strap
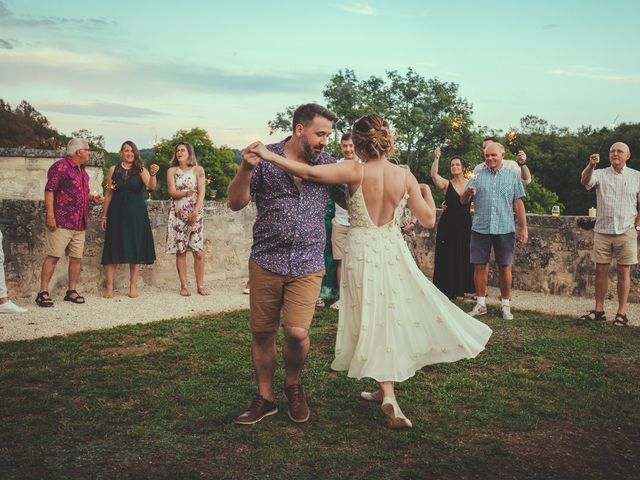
{"x": 621, "y": 319}
{"x": 69, "y": 292}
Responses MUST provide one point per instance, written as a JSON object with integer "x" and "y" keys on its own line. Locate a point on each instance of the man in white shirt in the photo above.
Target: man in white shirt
{"x": 617, "y": 225}
{"x": 519, "y": 166}
{"x": 340, "y": 222}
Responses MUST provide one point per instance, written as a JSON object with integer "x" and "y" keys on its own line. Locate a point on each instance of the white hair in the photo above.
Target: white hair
{"x": 76, "y": 144}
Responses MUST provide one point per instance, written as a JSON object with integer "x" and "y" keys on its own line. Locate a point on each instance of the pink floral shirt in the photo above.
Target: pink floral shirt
{"x": 70, "y": 186}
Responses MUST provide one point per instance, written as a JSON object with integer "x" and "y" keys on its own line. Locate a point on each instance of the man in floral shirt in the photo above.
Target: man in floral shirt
{"x": 66, "y": 198}
{"x": 287, "y": 262}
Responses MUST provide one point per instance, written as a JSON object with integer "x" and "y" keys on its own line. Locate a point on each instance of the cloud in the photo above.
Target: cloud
{"x": 99, "y": 73}
{"x": 359, "y": 9}
{"x": 596, "y": 73}
{"x": 7, "y": 18}
{"x": 100, "y": 109}
{"x": 6, "y": 44}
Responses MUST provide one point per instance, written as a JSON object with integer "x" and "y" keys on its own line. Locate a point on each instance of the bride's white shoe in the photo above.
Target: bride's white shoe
{"x": 395, "y": 417}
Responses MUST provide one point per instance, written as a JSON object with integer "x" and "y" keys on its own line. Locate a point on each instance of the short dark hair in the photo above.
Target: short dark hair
{"x": 346, "y": 136}
{"x": 305, "y": 114}
{"x": 493, "y": 138}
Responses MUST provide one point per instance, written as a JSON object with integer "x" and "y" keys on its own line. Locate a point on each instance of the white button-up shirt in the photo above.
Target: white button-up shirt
{"x": 618, "y": 197}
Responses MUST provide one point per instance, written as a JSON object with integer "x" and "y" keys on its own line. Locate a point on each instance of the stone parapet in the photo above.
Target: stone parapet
{"x": 23, "y": 172}
{"x": 556, "y": 260}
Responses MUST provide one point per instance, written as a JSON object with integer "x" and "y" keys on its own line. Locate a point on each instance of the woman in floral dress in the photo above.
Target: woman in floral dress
{"x": 186, "y": 186}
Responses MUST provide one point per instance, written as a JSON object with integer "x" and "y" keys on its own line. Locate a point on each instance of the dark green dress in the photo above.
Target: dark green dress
{"x": 128, "y": 238}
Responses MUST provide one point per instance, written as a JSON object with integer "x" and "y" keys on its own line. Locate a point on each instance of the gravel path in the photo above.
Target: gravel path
{"x": 155, "y": 304}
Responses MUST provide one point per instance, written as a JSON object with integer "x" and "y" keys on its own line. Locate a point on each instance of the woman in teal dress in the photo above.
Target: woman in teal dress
{"x": 125, "y": 220}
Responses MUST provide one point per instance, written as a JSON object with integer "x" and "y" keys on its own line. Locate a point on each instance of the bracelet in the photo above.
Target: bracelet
{"x": 152, "y": 174}
{"x": 521, "y": 164}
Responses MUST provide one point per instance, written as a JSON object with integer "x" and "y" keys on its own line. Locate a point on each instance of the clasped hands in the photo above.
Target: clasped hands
{"x": 254, "y": 154}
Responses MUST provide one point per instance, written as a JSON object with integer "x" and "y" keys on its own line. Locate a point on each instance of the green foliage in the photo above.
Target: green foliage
{"x": 539, "y": 199}
{"x": 218, "y": 162}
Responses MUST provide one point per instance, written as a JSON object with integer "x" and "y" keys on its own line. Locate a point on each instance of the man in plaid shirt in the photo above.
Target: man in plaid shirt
{"x": 497, "y": 192}
{"x": 617, "y": 225}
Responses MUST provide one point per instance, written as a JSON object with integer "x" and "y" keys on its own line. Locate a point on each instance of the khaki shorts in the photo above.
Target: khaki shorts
{"x": 338, "y": 239}
{"x": 62, "y": 242}
{"x": 271, "y": 294}
{"x": 623, "y": 247}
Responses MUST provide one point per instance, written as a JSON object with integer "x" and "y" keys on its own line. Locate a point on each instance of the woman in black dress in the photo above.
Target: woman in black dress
{"x": 453, "y": 273}
{"x": 128, "y": 238}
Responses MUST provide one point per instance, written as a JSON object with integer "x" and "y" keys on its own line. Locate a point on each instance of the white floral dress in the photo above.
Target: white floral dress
{"x": 392, "y": 319}
{"x": 181, "y": 236}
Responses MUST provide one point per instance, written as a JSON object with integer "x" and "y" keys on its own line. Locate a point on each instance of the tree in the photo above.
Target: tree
{"x": 423, "y": 113}
{"x": 26, "y": 127}
{"x": 96, "y": 142}
{"x": 217, "y": 162}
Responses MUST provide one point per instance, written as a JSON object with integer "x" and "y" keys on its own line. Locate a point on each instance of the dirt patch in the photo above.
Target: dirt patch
{"x": 138, "y": 350}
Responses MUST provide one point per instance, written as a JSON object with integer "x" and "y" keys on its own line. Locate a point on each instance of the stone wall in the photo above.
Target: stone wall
{"x": 23, "y": 172}
{"x": 557, "y": 259}
{"x": 227, "y": 245}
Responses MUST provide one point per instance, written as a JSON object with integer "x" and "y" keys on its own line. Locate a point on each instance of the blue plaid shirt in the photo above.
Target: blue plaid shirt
{"x": 493, "y": 201}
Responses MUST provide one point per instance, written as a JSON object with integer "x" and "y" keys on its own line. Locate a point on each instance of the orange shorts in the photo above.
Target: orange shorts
{"x": 272, "y": 294}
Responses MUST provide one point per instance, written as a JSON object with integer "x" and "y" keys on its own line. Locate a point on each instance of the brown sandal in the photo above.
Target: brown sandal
{"x": 621, "y": 320}
{"x": 43, "y": 299}
{"x": 593, "y": 315}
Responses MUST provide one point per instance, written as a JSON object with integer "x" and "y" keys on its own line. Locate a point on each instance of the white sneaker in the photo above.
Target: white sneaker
{"x": 246, "y": 291}
{"x": 335, "y": 305}
{"x": 10, "y": 307}
{"x": 320, "y": 303}
{"x": 478, "y": 310}
{"x": 506, "y": 312}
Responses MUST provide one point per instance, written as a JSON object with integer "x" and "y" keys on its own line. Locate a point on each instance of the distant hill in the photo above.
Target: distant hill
{"x": 24, "y": 126}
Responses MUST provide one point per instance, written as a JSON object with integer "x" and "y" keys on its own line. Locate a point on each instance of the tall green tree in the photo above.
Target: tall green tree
{"x": 217, "y": 162}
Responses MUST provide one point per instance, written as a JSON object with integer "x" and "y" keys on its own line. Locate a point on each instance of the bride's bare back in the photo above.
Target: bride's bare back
{"x": 383, "y": 186}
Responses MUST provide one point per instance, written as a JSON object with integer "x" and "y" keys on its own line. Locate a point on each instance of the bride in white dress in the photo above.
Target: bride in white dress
{"x": 392, "y": 319}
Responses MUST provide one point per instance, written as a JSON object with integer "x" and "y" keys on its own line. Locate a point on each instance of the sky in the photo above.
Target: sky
{"x": 141, "y": 70}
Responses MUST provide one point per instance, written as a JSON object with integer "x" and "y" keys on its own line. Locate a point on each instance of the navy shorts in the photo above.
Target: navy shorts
{"x": 503, "y": 247}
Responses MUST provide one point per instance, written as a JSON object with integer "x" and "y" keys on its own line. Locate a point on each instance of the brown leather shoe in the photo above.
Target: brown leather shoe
{"x": 298, "y": 408}
{"x": 260, "y": 407}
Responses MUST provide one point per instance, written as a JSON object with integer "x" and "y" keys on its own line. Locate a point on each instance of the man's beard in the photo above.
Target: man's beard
{"x": 309, "y": 154}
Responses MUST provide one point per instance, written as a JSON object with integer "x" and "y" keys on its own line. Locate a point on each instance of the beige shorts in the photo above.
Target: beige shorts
{"x": 62, "y": 242}
{"x": 623, "y": 247}
{"x": 338, "y": 239}
{"x": 271, "y": 294}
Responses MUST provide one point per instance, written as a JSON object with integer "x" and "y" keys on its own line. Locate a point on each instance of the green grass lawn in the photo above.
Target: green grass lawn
{"x": 548, "y": 399}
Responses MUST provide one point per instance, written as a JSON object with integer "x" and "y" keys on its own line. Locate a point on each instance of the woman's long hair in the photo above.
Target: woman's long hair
{"x": 191, "y": 161}
{"x": 137, "y": 160}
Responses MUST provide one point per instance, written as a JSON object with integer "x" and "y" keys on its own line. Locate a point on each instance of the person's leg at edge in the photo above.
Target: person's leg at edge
{"x": 480, "y": 280}
{"x": 602, "y": 284}
{"x": 181, "y": 266}
{"x": 263, "y": 353}
{"x": 75, "y": 264}
{"x": 48, "y": 267}
{"x": 109, "y": 272}
{"x": 134, "y": 268}
{"x": 624, "y": 284}
{"x": 339, "y": 271}
{"x": 198, "y": 268}
{"x": 295, "y": 351}
{"x": 505, "y": 279}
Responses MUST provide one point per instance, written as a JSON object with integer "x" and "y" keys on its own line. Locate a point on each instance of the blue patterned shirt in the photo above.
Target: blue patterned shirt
{"x": 493, "y": 201}
{"x": 289, "y": 232}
